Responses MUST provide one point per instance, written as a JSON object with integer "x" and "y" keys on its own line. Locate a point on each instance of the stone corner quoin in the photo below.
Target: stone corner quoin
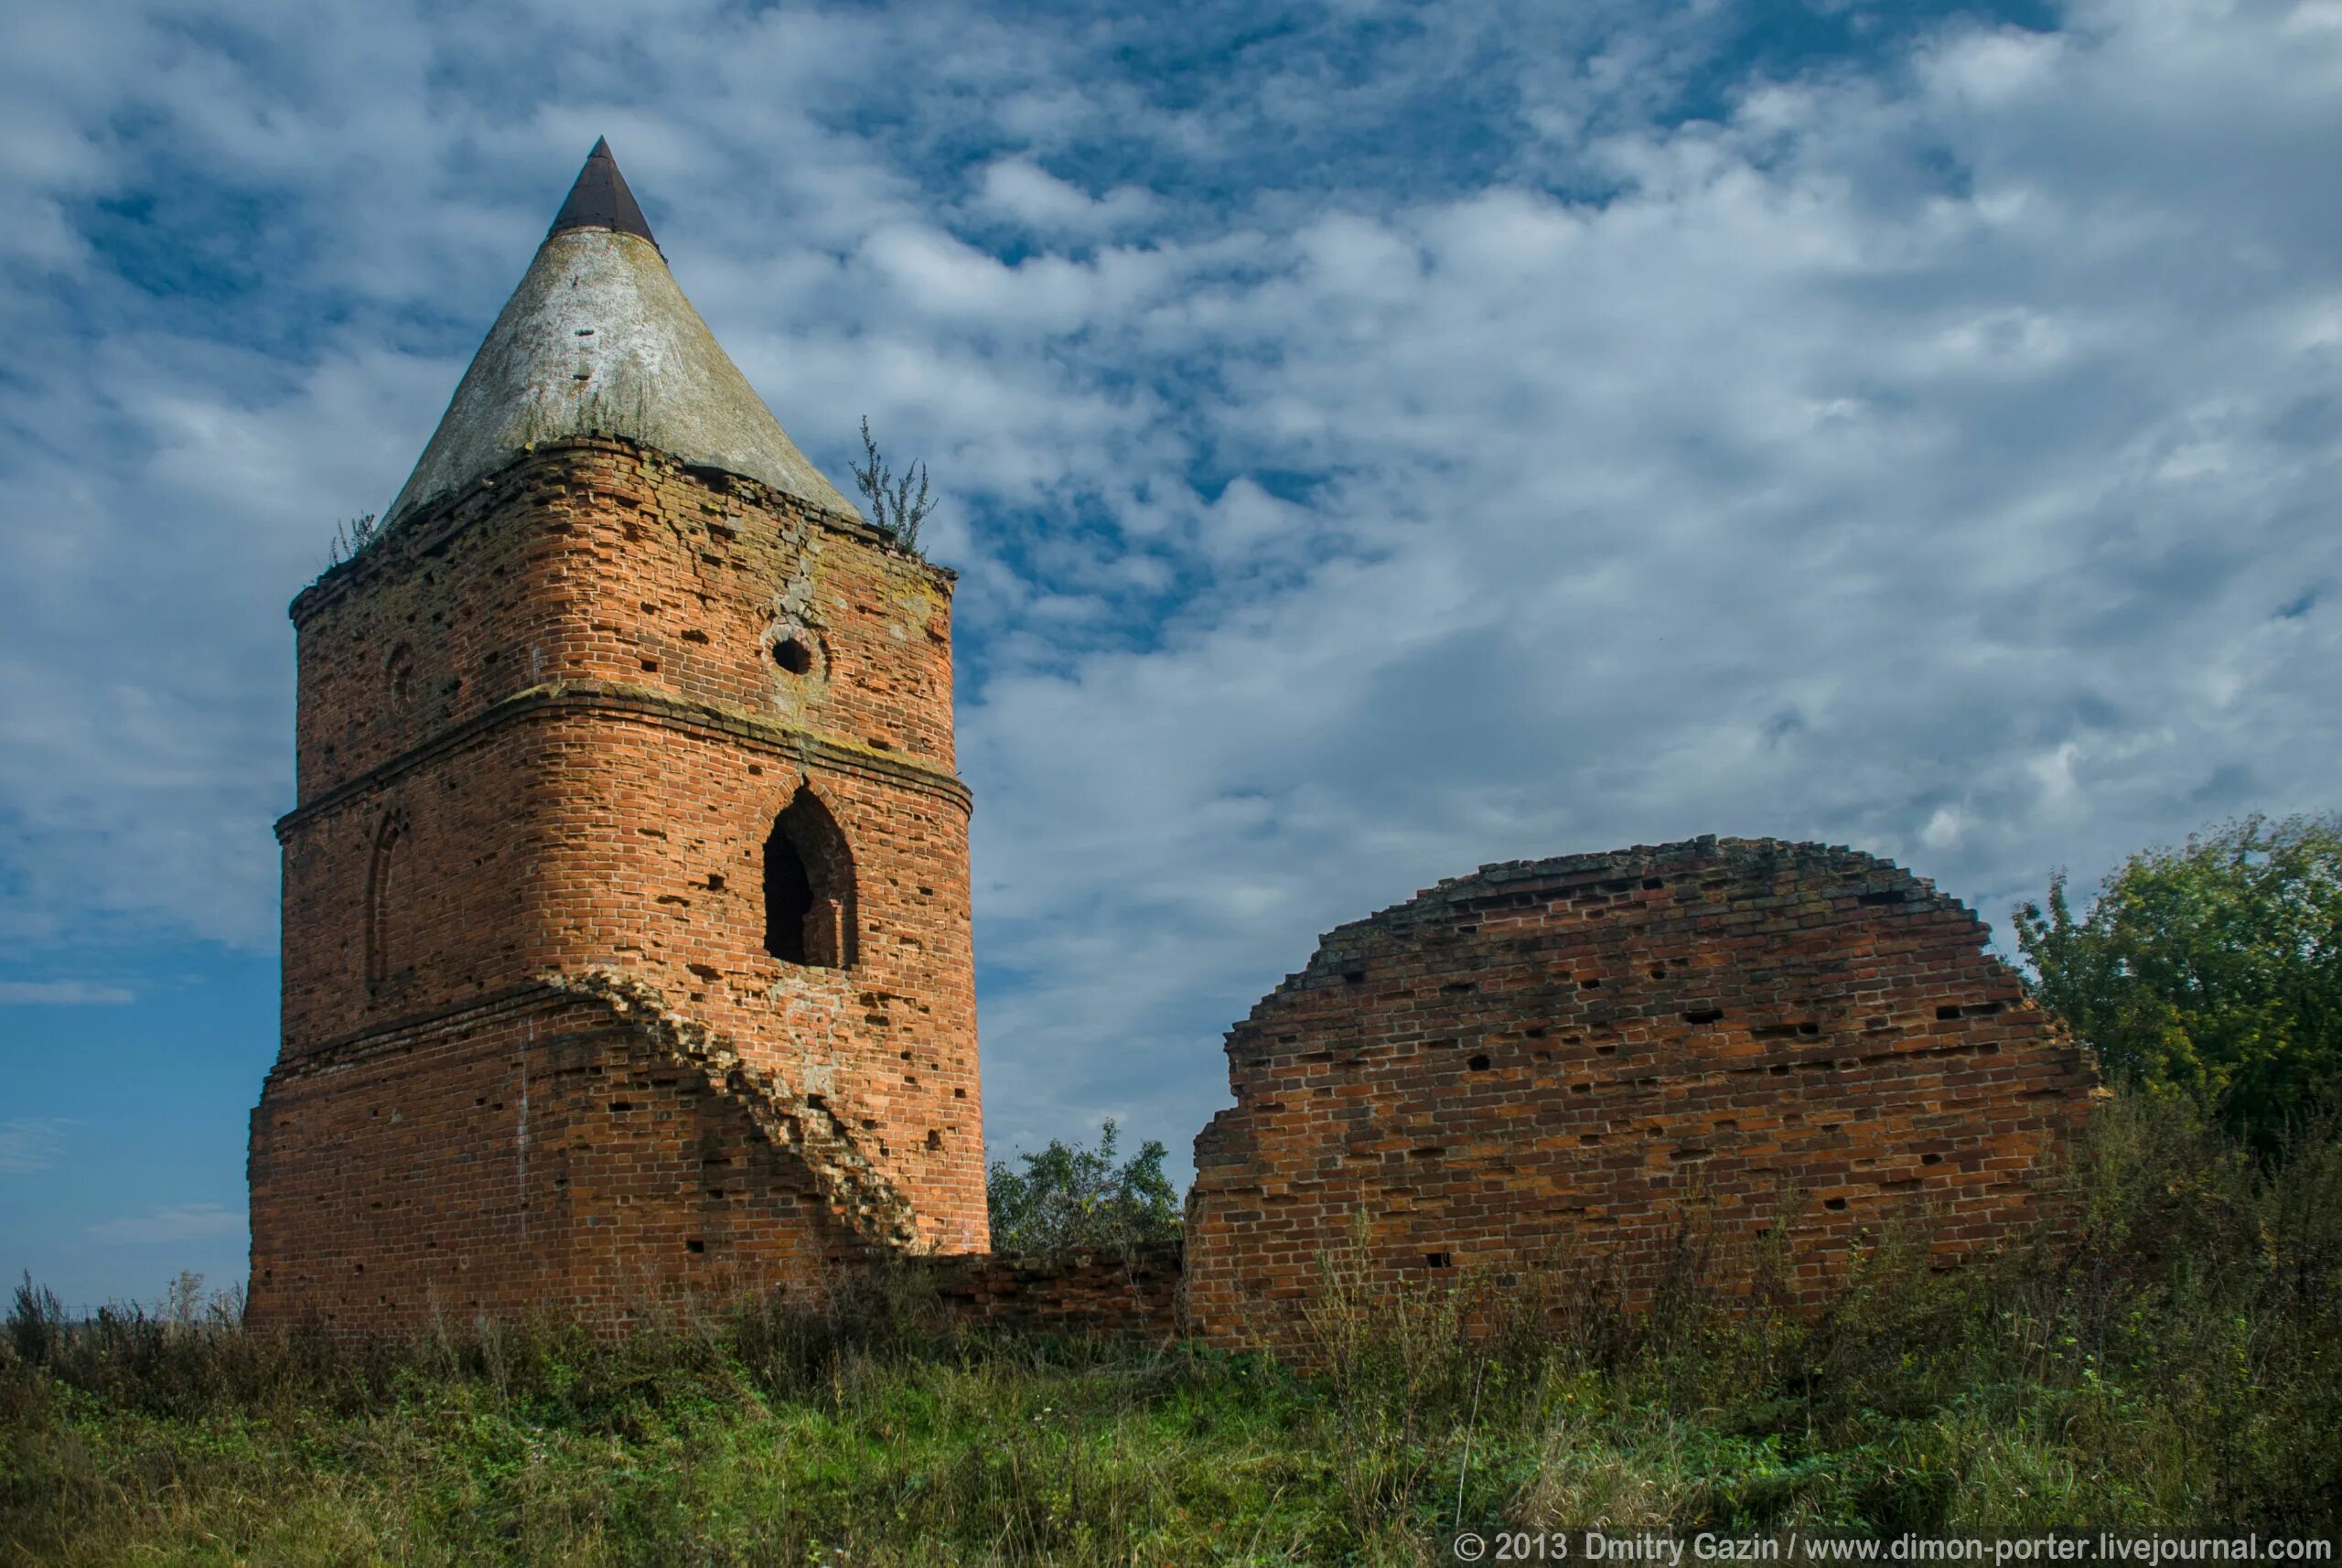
{"x": 1593, "y": 1062}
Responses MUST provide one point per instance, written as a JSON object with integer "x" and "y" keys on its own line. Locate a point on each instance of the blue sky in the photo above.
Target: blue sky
{"x": 1374, "y": 439}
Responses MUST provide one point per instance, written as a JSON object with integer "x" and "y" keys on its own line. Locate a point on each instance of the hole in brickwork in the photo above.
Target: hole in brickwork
{"x": 793, "y": 656}
{"x": 1948, "y": 1012}
{"x": 1876, "y": 898}
{"x": 1439, "y": 1259}
{"x": 617, "y": 1106}
{"x": 1458, "y": 987}
{"x": 1704, "y": 1016}
{"x": 694, "y": 1245}
{"x": 1835, "y": 1203}
{"x": 650, "y": 666}
{"x": 1479, "y": 1064}
{"x": 1591, "y": 982}
{"x": 1354, "y": 976}
{"x": 1607, "y": 1050}
{"x": 1658, "y": 971}
{"x": 934, "y": 1139}
{"x": 959, "y": 1094}
{"x": 1808, "y": 1028}
{"x": 1581, "y": 1089}
{"x": 695, "y": 635}
{"x": 1536, "y": 1033}
{"x": 400, "y": 672}
{"x": 1652, "y": 884}
{"x": 715, "y": 882}
{"x": 1931, "y": 1159}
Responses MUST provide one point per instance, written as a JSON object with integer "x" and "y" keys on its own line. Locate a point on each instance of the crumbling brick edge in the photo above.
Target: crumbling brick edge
{"x": 870, "y": 1204}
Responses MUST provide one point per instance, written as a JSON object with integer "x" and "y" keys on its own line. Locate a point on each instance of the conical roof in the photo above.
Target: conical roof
{"x": 598, "y": 339}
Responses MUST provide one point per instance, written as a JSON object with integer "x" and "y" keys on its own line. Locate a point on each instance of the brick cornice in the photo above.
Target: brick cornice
{"x": 639, "y": 705}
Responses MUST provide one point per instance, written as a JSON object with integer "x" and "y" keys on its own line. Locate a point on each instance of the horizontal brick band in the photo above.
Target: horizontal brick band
{"x": 607, "y": 700}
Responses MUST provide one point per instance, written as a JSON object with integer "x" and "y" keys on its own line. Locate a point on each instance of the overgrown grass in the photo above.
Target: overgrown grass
{"x": 2173, "y": 1360}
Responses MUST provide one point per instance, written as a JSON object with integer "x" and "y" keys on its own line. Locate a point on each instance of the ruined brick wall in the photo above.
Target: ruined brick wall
{"x": 545, "y": 732}
{"x": 1571, "y": 1060}
{"x": 1133, "y": 1294}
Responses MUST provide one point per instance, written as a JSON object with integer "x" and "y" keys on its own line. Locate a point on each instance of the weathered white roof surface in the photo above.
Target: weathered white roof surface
{"x": 599, "y": 339}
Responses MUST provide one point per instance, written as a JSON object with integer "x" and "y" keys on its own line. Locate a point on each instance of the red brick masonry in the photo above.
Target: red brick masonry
{"x": 1575, "y": 1058}
{"x": 1135, "y": 1294}
{"x": 537, "y": 1052}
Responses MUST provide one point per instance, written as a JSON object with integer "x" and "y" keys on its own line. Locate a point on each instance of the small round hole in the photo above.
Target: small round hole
{"x": 792, "y": 655}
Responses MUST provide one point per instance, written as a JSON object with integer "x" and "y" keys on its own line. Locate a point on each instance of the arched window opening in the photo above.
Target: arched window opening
{"x": 808, "y": 888}
{"x": 385, "y": 895}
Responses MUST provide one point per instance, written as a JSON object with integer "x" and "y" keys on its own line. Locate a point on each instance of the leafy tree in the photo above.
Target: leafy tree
{"x": 1069, "y": 1197}
{"x": 2213, "y": 970}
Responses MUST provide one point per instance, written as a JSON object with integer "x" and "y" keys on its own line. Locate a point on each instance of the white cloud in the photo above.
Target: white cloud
{"x": 63, "y": 994}
{"x": 180, "y": 1222}
{"x": 31, "y": 1142}
{"x": 1021, "y": 189}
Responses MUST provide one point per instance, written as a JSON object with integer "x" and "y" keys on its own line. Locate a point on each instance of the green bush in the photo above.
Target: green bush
{"x": 1069, "y": 1197}
{"x": 2213, "y": 970}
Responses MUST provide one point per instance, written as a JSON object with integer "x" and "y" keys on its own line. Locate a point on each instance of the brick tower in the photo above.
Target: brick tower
{"x": 626, "y": 902}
